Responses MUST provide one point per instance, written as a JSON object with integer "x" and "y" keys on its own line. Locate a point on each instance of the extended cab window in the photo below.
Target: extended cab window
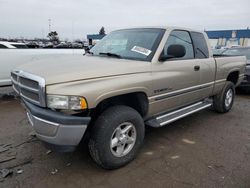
{"x": 200, "y": 45}
{"x": 183, "y": 38}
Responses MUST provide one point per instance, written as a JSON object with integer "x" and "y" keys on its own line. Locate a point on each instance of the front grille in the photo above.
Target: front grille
{"x": 29, "y": 83}
{"x": 30, "y": 87}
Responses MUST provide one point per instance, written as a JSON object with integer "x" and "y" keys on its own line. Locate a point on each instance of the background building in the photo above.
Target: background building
{"x": 229, "y": 38}
{"x": 94, "y": 38}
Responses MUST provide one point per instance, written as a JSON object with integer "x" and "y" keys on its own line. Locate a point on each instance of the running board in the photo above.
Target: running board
{"x": 178, "y": 114}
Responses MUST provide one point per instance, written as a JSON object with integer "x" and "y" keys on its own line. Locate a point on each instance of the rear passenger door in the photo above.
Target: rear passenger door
{"x": 175, "y": 80}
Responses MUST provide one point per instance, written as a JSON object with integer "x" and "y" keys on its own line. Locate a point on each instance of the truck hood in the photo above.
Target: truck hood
{"x": 73, "y": 68}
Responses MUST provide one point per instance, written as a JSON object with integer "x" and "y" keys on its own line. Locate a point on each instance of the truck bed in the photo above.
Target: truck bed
{"x": 226, "y": 64}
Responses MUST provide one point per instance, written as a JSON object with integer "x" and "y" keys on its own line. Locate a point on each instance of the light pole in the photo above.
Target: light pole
{"x": 49, "y": 25}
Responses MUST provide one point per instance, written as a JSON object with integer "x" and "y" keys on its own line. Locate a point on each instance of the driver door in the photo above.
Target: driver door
{"x": 175, "y": 80}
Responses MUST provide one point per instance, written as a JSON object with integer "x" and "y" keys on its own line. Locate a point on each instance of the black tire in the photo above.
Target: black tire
{"x": 102, "y": 131}
{"x": 219, "y": 103}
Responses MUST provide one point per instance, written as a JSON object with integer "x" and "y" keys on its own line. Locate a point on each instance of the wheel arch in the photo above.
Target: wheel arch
{"x": 233, "y": 76}
{"x": 137, "y": 100}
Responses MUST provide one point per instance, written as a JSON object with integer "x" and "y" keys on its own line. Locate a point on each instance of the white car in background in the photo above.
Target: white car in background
{"x": 10, "y": 58}
{"x": 11, "y": 45}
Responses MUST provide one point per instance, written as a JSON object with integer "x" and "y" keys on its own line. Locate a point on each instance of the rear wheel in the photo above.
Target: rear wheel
{"x": 116, "y": 137}
{"x": 223, "y": 102}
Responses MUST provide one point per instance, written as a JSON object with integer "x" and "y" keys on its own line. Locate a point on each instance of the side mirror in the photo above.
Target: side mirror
{"x": 174, "y": 51}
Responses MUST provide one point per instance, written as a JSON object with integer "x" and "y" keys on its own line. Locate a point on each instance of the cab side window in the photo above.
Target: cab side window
{"x": 200, "y": 45}
{"x": 182, "y": 38}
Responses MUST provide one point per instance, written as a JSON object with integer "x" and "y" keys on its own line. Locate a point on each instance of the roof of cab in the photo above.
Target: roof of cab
{"x": 163, "y": 27}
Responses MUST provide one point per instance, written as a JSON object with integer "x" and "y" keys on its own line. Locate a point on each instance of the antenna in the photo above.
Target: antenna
{"x": 73, "y": 51}
{"x": 72, "y": 31}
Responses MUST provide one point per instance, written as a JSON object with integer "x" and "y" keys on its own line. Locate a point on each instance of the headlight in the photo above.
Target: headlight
{"x": 66, "y": 102}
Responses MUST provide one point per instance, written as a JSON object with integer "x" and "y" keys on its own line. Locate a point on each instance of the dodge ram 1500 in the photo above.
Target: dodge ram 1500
{"x": 131, "y": 78}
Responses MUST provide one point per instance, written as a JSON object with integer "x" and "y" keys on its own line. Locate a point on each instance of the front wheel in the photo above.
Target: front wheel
{"x": 223, "y": 102}
{"x": 116, "y": 137}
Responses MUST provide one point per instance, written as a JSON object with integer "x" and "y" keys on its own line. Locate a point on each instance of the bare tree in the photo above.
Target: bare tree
{"x": 53, "y": 37}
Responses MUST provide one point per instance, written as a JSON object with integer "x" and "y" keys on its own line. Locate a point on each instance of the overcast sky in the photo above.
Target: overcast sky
{"x": 76, "y": 18}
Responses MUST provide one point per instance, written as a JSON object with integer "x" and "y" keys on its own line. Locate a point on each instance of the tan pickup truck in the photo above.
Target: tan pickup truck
{"x": 131, "y": 78}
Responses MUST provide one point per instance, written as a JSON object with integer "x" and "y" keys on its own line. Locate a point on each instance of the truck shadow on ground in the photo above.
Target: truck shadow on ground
{"x": 163, "y": 139}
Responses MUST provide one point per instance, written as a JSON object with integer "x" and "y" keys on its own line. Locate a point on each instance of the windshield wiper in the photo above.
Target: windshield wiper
{"x": 110, "y": 54}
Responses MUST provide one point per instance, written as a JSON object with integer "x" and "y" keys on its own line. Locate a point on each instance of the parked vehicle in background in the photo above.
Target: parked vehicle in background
{"x": 12, "y": 45}
{"x": 13, "y": 57}
{"x": 241, "y": 51}
{"x": 62, "y": 45}
{"x": 218, "y": 51}
{"x": 65, "y": 45}
{"x": 48, "y": 45}
{"x": 33, "y": 44}
{"x": 76, "y": 45}
{"x": 130, "y": 78}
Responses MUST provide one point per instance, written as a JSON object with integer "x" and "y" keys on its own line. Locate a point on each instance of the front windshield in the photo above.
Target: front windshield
{"x": 137, "y": 44}
{"x": 238, "y": 51}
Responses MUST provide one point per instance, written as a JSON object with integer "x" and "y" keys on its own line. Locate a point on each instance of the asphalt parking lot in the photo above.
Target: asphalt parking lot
{"x": 206, "y": 149}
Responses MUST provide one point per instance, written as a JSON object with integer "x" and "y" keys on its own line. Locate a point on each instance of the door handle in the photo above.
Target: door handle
{"x": 196, "y": 68}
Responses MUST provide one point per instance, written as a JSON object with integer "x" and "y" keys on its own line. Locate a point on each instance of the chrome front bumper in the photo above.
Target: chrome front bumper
{"x": 55, "y": 128}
